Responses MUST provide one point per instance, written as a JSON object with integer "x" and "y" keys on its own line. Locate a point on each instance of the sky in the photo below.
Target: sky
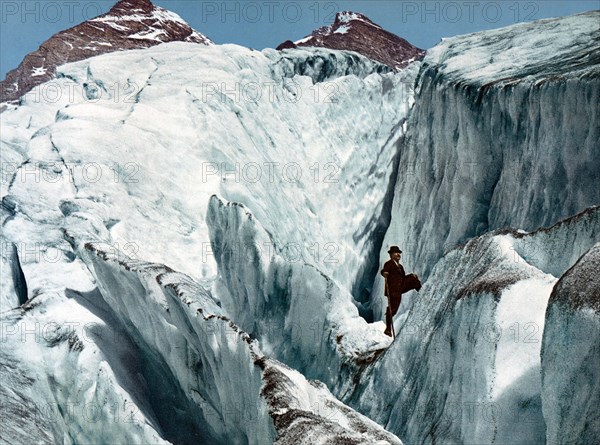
{"x": 25, "y": 24}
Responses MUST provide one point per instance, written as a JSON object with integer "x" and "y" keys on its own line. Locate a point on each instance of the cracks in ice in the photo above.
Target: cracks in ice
{"x": 18, "y": 277}
{"x": 64, "y": 163}
{"x": 366, "y": 276}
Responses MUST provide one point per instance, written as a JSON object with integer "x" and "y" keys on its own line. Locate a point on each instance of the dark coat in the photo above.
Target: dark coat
{"x": 398, "y": 282}
{"x": 395, "y": 277}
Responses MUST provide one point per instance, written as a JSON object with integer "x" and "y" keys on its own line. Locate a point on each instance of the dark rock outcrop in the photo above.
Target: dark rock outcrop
{"x": 355, "y": 32}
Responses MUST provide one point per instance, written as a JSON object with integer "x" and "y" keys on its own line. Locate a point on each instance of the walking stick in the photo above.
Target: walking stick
{"x": 389, "y": 309}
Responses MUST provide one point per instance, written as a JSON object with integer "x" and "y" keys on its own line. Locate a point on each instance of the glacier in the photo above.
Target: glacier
{"x": 191, "y": 240}
{"x": 99, "y": 164}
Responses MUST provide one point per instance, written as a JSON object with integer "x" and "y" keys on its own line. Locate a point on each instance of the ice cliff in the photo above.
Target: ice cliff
{"x": 503, "y": 133}
{"x": 466, "y": 363}
{"x": 571, "y": 353}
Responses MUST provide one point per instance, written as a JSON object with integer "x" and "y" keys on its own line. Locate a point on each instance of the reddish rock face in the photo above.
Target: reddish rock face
{"x": 356, "y": 32}
{"x": 130, "y": 24}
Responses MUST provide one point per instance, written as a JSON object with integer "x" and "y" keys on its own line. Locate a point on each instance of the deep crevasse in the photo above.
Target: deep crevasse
{"x": 358, "y": 133}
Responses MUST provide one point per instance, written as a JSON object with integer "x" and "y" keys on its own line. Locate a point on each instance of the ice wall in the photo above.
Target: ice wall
{"x": 503, "y": 133}
{"x": 323, "y": 64}
{"x": 205, "y": 358}
{"x": 220, "y": 377}
{"x": 571, "y": 354}
{"x": 301, "y": 316}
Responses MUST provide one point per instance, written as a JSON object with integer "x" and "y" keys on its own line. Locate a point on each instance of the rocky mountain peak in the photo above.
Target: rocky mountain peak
{"x": 354, "y": 31}
{"x": 128, "y": 6}
{"x": 130, "y": 24}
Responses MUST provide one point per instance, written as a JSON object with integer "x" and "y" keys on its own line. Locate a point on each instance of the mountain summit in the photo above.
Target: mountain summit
{"x": 130, "y": 24}
{"x": 356, "y": 32}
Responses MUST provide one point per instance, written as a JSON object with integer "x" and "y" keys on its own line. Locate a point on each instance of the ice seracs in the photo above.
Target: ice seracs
{"x": 103, "y": 166}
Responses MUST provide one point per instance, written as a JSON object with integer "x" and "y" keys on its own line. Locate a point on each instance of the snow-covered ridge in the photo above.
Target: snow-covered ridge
{"x": 356, "y": 32}
{"x": 343, "y": 20}
{"x": 306, "y": 413}
{"x": 348, "y": 16}
{"x": 120, "y": 13}
{"x": 557, "y": 248}
{"x": 541, "y": 51}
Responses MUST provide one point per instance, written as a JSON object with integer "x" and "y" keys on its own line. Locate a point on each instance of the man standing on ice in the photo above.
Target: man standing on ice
{"x": 396, "y": 283}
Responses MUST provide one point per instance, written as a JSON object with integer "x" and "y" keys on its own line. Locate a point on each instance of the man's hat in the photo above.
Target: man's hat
{"x": 394, "y": 249}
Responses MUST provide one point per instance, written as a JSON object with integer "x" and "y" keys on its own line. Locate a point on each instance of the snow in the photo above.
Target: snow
{"x": 521, "y": 324}
{"x": 348, "y": 16}
{"x": 111, "y": 21}
{"x": 150, "y": 34}
{"x": 303, "y": 40}
{"x": 152, "y": 21}
{"x": 64, "y": 350}
{"x": 38, "y": 71}
{"x": 342, "y": 30}
{"x": 101, "y": 43}
{"x": 295, "y": 403}
{"x": 533, "y": 50}
{"x": 159, "y": 14}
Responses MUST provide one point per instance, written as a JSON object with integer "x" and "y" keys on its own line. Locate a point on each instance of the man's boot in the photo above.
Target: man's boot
{"x": 388, "y": 323}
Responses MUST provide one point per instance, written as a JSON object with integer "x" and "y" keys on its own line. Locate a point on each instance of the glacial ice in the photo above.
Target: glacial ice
{"x": 102, "y": 164}
{"x": 124, "y": 210}
{"x": 571, "y": 353}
